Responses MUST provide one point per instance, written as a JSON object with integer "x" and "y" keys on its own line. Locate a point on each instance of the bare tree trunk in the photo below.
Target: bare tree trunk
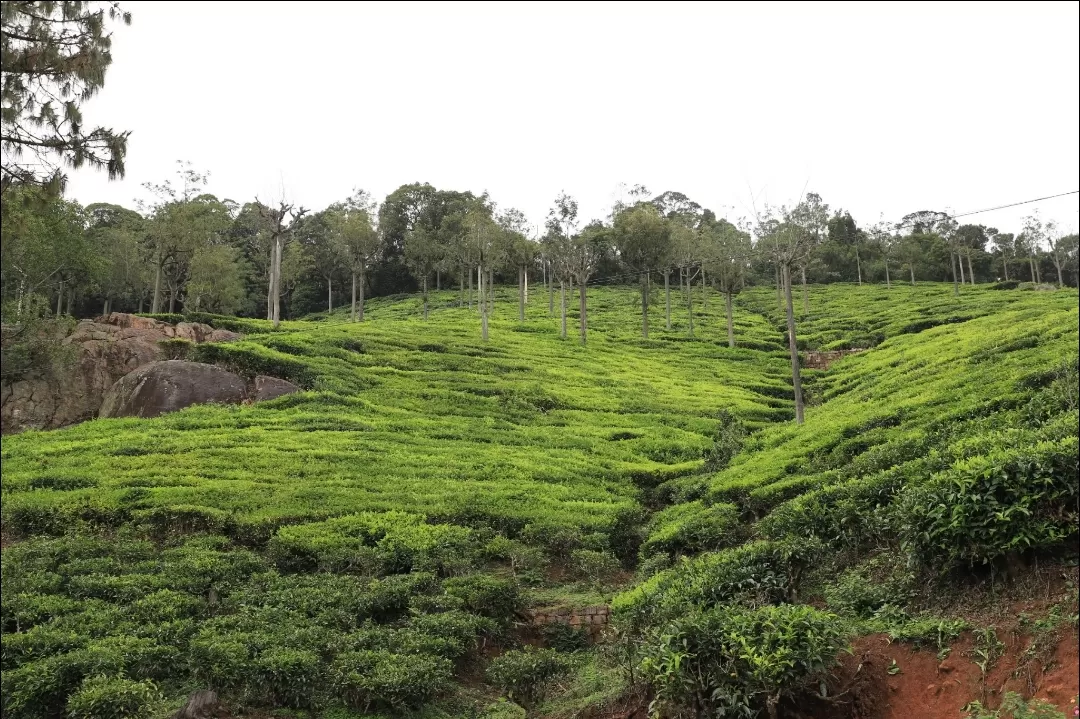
{"x": 480, "y": 301}
{"x": 888, "y": 282}
{"x": 461, "y": 287}
{"x": 858, "y": 265}
{"x": 779, "y": 291}
{"x": 796, "y": 378}
{"x": 470, "y": 274}
{"x": 71, "y": 302}
{"x": 438, "y": 280}
{"x": 329, "y": 295}
{"x": 105, "y": 307}
{"x": 490, "y": 287}
{"x": 562, "y": 303}
{"x": 952, "y": 261}
{"x": 645, "y": 305}
{"x": 521, "y": 294}
{"x": 60, "y": 299}
{"x": 172, "y": 300}
{"x": 963, "y": 276}
{"x": 730, "y": 324}
{"x": 1005, "y": 264}
{"x": 971, "y": 271}
{"x": 363, "y": 287}
{"x": 550, "y": 281}
{"x": 1031, "y": 266}
{"x": 425, "y": 296}
{"x": 667, "y": 295}
{"x": 582, "y": 310}
{"x": 704, "y": 291}
{"x": 279, "y": 243}
{"x": 155, "y": 302}
{"x": 912, "y": 268}
{"x": 141, "y": 300}
{"x": 526, "y": 269}
{"x": 1057, "y": 266}
{"x": 1038, "y": 272}
{"x": 805, "y": 292}
{"x": 689, "y": 305}
{"x": 352, "y": 305}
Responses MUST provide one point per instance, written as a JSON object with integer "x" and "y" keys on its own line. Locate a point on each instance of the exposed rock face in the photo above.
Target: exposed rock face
{"x": 271, "y": 388}
{"x": 104, "y": 350}
{"x": 169, "y": 385}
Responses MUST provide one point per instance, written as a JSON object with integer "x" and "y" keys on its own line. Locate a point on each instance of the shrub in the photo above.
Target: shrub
{"x": 693, "y": 527}
{"x": 290, "y": 676}
{"x": 378, "y": 679}
{"x": 503, "y": 709}
{"x": 563, "y": 637}
{"x": 756, "y": 573}
{"x": 597, "y": 567}
{"x": 1014, "y": 706}
{"x": 864, "y": 590}
{"x": 521, "y": 673}
{"x": 103, "y": 697}
{"x": 994, "y": 505}
{"x": 727, "y": 441}
{"x": 730, "y": 661}
{"x": 485, "y": 595}
{"x": 176, "y": 348}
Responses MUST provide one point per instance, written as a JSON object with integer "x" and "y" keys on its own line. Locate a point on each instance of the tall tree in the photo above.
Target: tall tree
{"x": 1005, "y": 245}
{"x": 790, "y": 238}
{"x": 117, "y": 233}
{"x": 180, "y": 222}
{"x": 352, "y": 222}
{"x": 728, "y": 253}
{"x": 586, "y": 250}
{"x": 1031, "y": 240}
{"x": 44, "y": 246}
{"x": 53, "y": 57}
{"x": 562, "y": 225}
{"x": 1065, "y": 252}
{"x": 280, "y": 218}
{"x": 643, "y": 239}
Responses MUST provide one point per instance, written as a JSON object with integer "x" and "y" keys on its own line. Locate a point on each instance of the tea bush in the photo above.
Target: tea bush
{"x": 984, "y": 508}
{"x": 351, "y": 548}
{"x": 731, "y": 661}
{"x": 521, "y": 673}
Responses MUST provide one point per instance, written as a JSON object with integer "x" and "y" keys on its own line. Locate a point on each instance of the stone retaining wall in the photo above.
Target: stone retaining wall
{"x": 589, "y": 619}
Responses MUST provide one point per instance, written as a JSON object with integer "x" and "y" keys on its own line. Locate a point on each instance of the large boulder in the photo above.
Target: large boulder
{"x": 169, "y": 385}
{"x": 101, "y": 351}
{"x": 271, "y": 388}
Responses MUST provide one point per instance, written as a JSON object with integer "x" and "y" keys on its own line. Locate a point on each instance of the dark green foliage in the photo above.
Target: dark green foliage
{"x": 685, "y": 529}
{"x": 727, "y": 442}
{"x": 103, "y": 697}
{"x": 399, "y": 515}
{"x": 995, "y": 505}
{"x": 756, "y": 573}
{"x": 381, "y": 680}
{"x": 485, "y": 595}
{"x": 731, "y": 661}
{"x": 563, "y": 637}
{"x": 864, "y": 590}
{"x": 521, "y": 673}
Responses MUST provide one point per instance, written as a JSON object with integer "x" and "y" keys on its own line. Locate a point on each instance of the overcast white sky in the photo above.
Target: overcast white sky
{"x": 884, "y": 108}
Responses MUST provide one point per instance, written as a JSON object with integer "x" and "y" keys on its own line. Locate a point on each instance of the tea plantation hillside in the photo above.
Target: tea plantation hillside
{"x": 369, "y": 546}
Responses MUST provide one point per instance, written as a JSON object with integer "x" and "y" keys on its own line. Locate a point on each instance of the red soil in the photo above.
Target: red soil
{"x": 928, "y": 688}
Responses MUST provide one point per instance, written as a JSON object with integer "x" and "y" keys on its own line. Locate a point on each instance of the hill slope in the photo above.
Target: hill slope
{"x": 361, "y": 543}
